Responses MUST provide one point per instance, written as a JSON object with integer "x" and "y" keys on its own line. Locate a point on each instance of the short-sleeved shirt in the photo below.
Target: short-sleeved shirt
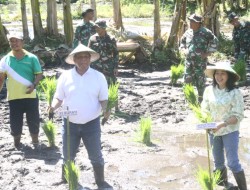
{"x": 83, "y": 32}
{"x": 222, "y": 104}
{"x": 82, "y": 93}
{"x": 20, "y": 74}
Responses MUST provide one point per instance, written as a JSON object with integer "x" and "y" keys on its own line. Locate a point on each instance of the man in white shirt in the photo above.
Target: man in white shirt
{"x": 84, "y": 91}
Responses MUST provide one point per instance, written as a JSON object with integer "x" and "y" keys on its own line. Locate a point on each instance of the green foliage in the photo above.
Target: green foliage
{"x": 49, "y": 129}
{"x": 113, "y": 95}
{"x": 225, "y": 44}
{"x": 176, "y": 73}
{"x": 204, "y": 180}
{"x": 190, "y": 95}
{"x": 71, "y": 174}
{"x": 138, "y": 11}
{"x": 48, "y": 86}
{"x": 145, "y": 130}
{"x": 200, "y": 115}
{"x": 240, "y": 68}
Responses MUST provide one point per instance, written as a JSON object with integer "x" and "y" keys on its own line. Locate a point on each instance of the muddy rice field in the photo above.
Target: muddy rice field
{"x": 169, "y": 163}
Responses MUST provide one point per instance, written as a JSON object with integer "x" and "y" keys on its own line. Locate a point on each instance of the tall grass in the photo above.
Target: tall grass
{"x": 203, "y": 177}
{"x": 176, "y": 73}
{"x": 71, "y": 174}
{"x": 49, "y": 129}
{"x": 240, "y": 68}
{"x": 145, "y": 130}
{"x": 49, "y": 88}
{"x": 190, "y": 95}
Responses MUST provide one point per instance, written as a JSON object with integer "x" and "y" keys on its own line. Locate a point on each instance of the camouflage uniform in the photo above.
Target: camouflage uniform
{"x": 83, "y": 33}
{"x": 241, "y": 38}
{"x": 109, "y": 57}
{"x": 198, "y": 42}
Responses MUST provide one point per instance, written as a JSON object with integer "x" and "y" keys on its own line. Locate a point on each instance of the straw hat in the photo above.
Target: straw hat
{"x": 82, "y": 48}
{"x": 222, "y": 65}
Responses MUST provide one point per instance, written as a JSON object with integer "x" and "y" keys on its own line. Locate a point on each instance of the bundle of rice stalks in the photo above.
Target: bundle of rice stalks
{"x": 49, "y": 88}
{"x": 49, "y": 129}
{"x": 190, "y": 95}
{"x": 240, "y": 68}
{"x": 145, "y": 130}
{"x": 112, "y": 98}
{"x": 71, "y": 174}
{"x": 207, "y": 181}
{"x": 176, "y": 73}
{"x": 200, "y": 115}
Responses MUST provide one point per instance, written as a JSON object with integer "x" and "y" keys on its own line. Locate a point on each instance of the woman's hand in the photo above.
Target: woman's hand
{"x": 219, "y": 126}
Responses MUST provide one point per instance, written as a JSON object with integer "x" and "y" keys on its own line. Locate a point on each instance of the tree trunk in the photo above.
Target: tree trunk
{"x": 67, "y": 20}
{"x": 210, "y": 9}
{"x": 178, "y": 24}
{"x": 25, "y": 21}
{"x": 4, "y": 45}
{"x": 157, "y": 23}
{"x": 36, "y": 18}
{"x": 52, "y": 27}
{"x": 117, "y": 14}
{"x": 93, "y": 6}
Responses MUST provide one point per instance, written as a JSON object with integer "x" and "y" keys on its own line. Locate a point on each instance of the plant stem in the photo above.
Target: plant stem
{"x": 208, "y": 157}
{"x": 68, "y": 147}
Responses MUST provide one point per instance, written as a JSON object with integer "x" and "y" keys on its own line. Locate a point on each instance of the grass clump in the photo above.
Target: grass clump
{"x": 71, "y": 174}
{"x": 240, "y": 68}
{"x": 204, "y": 179}
{"x": 176, "y": 73}
{"x": 145, "y": 130}
{"x": 190, "y": 95}
{"x": 48, "y": 86}
{"x": 49, "y": 129}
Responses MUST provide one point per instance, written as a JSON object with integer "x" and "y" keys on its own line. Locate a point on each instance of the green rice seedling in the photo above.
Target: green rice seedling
{"x": 71, "y": 174}
{"x": 206, "y": 182}
{"x": 200, "y": 115}
{"x": 49, "y": 129}
{"x": 176, "y": 73}
{"x": 190, "y": 95}
{"x": 49, "y": 88}
{"x": 145, "y": 130}
{"x": 112, "y": 98}
{"x": 240, "y": 68}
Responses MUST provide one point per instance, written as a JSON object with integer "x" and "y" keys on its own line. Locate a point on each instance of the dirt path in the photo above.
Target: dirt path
{"x": 169, "y": 164}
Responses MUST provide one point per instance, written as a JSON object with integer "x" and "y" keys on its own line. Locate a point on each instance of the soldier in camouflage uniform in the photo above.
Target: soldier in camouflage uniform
{"x": 85, "y": 29}
{"x": 103, "y": 44}
{"x": 241, "y": 36}
{"x": 197, "y": 43}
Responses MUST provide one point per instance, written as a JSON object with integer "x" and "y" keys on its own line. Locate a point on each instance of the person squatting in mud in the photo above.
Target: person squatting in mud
{"x": 197, "y": 43}
{"x": 241, "y": 36}
{"x": 85, "y": 90}
{"x": 23, "y": 72}
{"x": 225, "y": 104}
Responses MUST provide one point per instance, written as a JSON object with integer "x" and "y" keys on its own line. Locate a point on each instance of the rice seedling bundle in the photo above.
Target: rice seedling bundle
{"x": 176, "y": 72}
{"x": 49, "y": 129}
{"x": 240, "y": 68}
{"x": 49, "y": 88}
{"x": 190, "y": 95}
{"x": 71, "y": 174}
{"x": 145, "y": 130}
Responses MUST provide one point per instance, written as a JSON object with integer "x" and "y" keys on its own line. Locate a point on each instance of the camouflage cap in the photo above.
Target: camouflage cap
{"x": 195, "y": 18}
{"x": 232, "y": 16}
{"x": 101, "y": 24}
{"x": 88, "y": 10}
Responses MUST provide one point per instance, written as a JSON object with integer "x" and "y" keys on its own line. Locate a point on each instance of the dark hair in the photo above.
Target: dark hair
{"x": 230, "y": 84}
{"x": 87, "y": 11}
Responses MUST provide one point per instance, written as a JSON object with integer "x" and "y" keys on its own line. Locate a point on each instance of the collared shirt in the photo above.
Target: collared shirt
{"x": 222, "y": 104}
{"x": 83, "y": 32}
{"x": 197, "y": 42}
{"x": 82, "y": 93}
{"x": 20, "y": 74}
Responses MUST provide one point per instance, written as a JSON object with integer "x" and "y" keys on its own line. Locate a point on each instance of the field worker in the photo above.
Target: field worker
{"x": 85, "y": 29}
{"x": 197, "y": 43}
{"x": 225, "y": 104}
{"x": 23, "y": 72}
{"x": 241, "y": 36}
{"x": 84, "y": 90}
{"x": 103, "y": 44}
